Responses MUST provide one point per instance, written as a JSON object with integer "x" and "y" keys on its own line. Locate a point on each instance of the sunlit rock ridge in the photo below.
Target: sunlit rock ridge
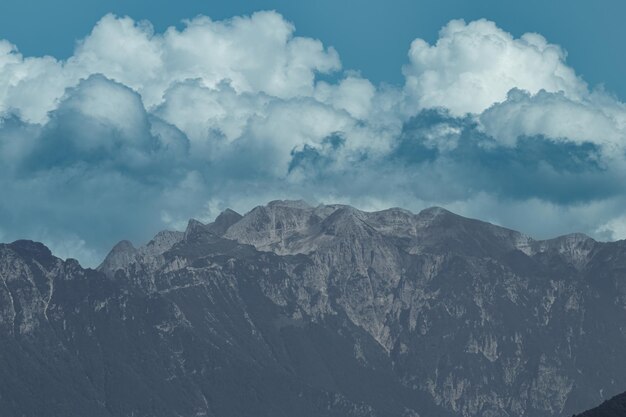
{"x": 296, "y": 310}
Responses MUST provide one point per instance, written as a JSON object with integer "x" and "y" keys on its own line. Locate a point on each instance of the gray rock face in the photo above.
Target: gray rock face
{"x": 317, "y": 311}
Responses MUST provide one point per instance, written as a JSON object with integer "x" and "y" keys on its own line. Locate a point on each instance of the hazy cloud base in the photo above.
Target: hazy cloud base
{"x": 139, "y": 131}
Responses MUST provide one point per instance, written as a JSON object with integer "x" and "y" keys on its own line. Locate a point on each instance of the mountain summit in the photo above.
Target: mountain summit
{"x": 300, "y": 310}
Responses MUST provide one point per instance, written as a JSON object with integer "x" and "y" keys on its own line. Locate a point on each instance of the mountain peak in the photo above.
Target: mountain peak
{"x": 575, "y": 237}
{"x": 122, "y": 254}
{"x": 31, "y": 247}
{"x": 229, "y": 213}
{"x": 162, "y": 242}
{"x": 225, "y": 219}
{"x": 194, "y": 224}
{"x": 193, "y": 227}
{"x": 435, "y": 211}
{"x": 299, "y": 204}
{"x": 346, "y": 220}
{"x": 271, "y": 225}
{"x": 35, "y": 250}
{"x": 123, "y": 246}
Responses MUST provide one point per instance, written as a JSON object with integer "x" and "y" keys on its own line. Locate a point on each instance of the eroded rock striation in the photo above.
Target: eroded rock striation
{"x": 295, "y": 310}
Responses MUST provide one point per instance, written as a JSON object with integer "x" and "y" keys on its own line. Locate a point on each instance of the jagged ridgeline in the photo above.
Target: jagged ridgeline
{"x": 293, "y": 310}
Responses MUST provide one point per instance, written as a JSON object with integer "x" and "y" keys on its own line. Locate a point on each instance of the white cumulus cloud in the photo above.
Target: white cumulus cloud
{"x": 258, "y": 53}
{"x": 474, "y": 65}
{"x": 596, "y": 119}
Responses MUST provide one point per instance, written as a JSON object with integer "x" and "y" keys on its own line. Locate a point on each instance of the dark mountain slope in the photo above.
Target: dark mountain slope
{"x": 293, "y": 310}
{"x": 615, "y": 407}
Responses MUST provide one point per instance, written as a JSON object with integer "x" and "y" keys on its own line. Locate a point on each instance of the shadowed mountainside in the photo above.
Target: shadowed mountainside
{"x": 316, "y": 311}
{"x": 615, "y": 407}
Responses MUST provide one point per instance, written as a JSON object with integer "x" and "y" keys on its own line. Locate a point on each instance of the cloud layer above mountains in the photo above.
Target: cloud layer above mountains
{"x": 139, "y": 131}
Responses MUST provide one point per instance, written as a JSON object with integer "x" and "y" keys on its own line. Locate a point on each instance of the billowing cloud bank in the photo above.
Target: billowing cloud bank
{"x": 139, "y": 131}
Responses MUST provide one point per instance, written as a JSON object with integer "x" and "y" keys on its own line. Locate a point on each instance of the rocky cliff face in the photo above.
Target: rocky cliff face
{"x": 317, "y": 311}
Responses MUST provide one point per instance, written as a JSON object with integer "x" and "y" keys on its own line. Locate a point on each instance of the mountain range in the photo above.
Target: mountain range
{"x": 300, "y": 310}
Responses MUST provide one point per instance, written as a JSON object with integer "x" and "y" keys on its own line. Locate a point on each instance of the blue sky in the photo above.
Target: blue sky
{"x": 136, "y": 120}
